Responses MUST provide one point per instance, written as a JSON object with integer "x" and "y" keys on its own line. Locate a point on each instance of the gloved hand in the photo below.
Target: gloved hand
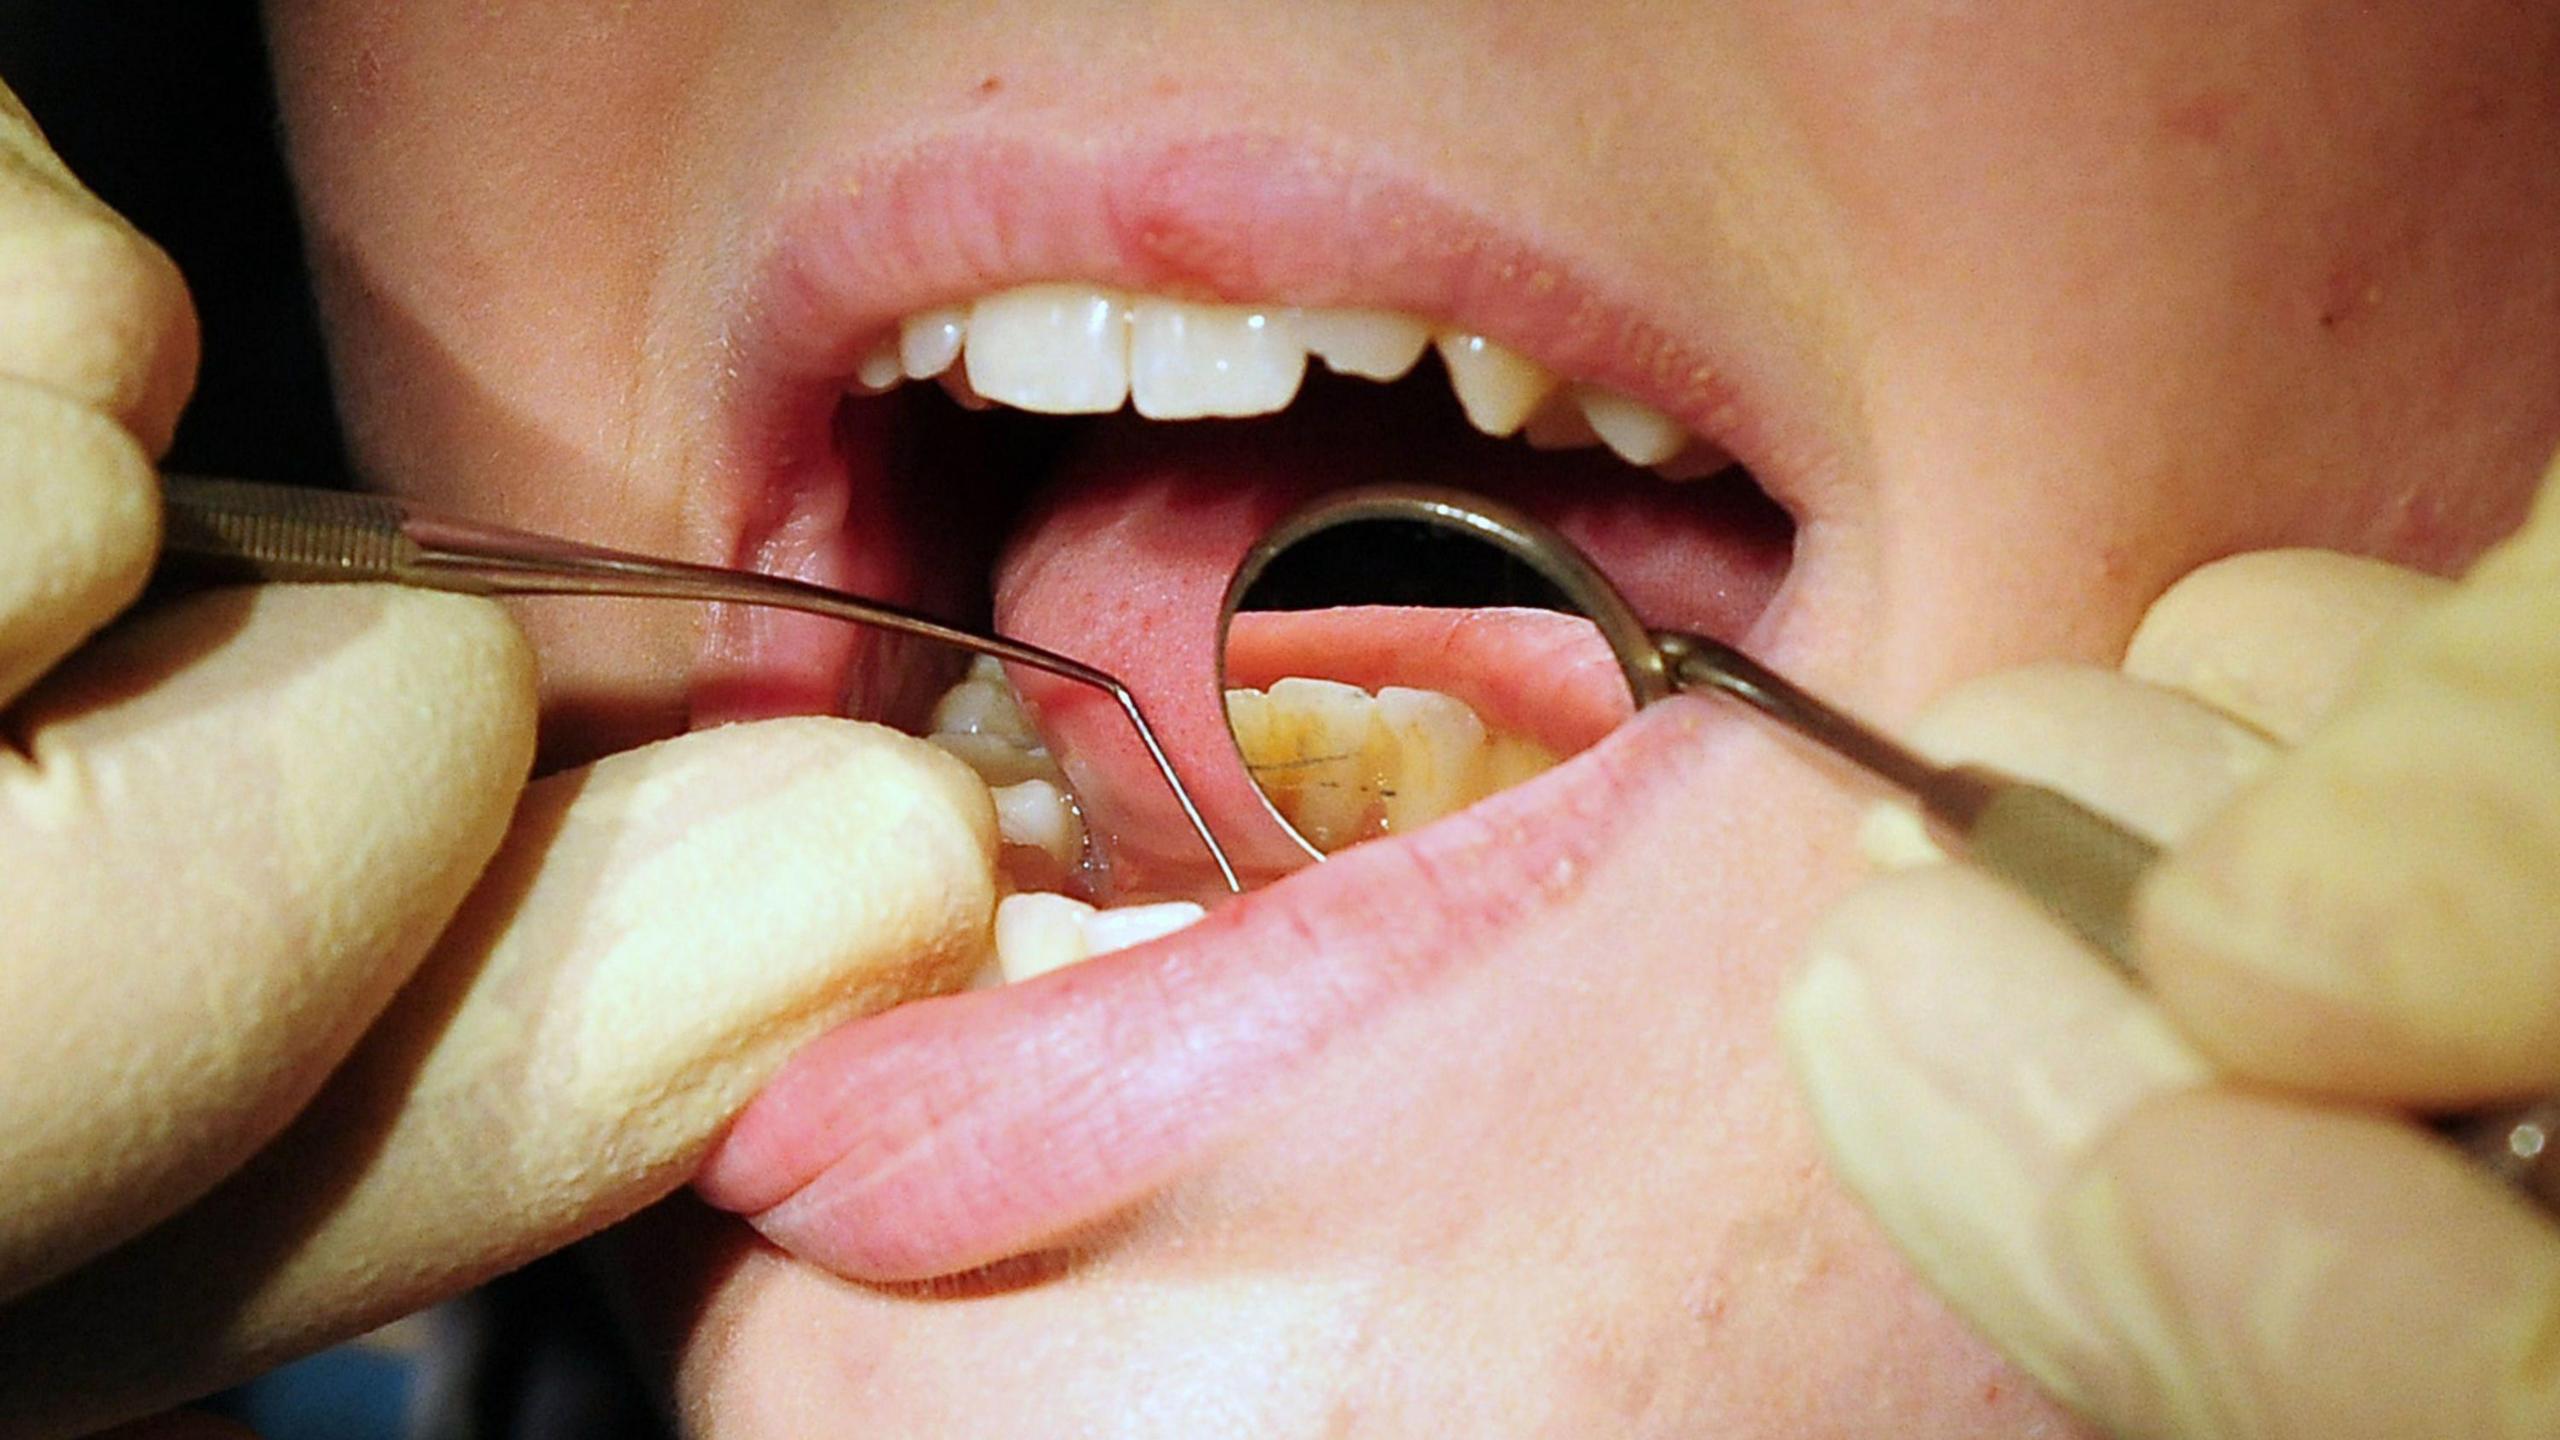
{"x": 268, "y": 854}
{"x": 2198, "y": 1212}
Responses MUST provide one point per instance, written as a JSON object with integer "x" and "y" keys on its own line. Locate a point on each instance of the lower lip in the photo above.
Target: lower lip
{"x": 957, "y": 1132}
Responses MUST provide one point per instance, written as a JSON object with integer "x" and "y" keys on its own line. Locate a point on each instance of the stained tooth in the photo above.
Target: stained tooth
{"x": 1037, "y": 932}
{"x": 929, "y": 341}
{"x": 1372, "y": 344}
{"x": 1498, "y": 388}
{"x": 1053, "y": 349}
{"x": 1038, "y": 814}
{"x": 1187, "y": 361}
{"x": 1559, "y": 425}
{"x": 1127, "y": 925}
{"x": 1640, "y": 434}
{"x": 1343, "y": 766}
{"x": 1320, "y": 769}
{"x": 1438, "y": 741}
{"x": 877, "y": 370}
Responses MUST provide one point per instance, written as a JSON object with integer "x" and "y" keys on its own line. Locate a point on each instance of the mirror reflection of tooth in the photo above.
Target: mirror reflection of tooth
{"x": 1327, "y": 733}
{"x": 1372, "y": 344}
{"x": 1507, "y": 761}
{"x": 1640, "y": 434}
{"x": 1342, "y": 765}
{"x": 1499, "y": 388}
{"x": 930, "y": 340}
{"x": 1437, "y": 740}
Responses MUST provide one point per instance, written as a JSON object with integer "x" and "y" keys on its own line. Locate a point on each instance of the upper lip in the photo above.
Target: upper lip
{"x": 1240, "y": 217}
{"x": 960, "y": 1130}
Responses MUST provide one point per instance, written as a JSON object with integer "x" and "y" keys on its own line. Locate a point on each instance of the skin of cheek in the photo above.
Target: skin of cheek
{"x": 532, "y": 365}
{"x": 2205, "y": 290}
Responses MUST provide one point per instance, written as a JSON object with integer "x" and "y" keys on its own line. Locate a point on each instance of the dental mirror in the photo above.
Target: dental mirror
{"x": 1379, "y": 653}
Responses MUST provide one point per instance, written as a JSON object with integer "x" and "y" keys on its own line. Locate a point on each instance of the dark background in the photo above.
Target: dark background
{"x": 163, "y": 107}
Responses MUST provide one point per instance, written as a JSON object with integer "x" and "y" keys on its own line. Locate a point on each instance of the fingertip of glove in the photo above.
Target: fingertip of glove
{"x": 79, "y": 527}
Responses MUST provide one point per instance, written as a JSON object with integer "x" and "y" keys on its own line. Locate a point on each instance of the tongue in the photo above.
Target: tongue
{"x": 1124, "y": 558}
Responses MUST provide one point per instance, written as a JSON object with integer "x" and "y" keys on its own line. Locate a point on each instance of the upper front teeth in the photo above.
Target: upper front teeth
{"x": 1063, "y": 349}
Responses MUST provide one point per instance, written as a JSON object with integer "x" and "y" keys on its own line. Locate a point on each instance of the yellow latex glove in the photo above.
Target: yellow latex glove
{"x": 2196, "y": 1213}
{"x": 310, "y": 1012}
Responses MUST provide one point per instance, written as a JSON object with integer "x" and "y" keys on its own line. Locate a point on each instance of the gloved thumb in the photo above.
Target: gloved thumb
{"x": 658, "y": 933}
{"x": 2377, "y": 917}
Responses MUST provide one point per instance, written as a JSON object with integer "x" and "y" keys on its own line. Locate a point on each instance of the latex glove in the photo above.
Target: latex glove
{"x": 232, "y": 829}
{"x": 2195, "y": 1213}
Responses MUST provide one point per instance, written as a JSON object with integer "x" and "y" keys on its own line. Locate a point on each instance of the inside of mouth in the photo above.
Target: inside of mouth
{"x": 1377, "y": 742}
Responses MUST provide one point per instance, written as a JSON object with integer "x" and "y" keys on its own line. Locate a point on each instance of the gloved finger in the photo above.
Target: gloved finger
{"x": 231, "y": 829}
{"x": 79, "y": 525}
{"x": 2379, "y": 916}
{"x": 88, "y": 307}
{"x": 2271, "y": 637}
{"x": 2150, "y": 758}
{"x": 658, "y": 935}
{"x": 2273, "y": 1268}
{"x": 1960, "y": 1053}
{"x": 2165, "y": 1255}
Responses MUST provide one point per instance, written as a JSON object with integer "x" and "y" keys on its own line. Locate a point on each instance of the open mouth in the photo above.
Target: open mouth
{"x": 1075, "y": 444}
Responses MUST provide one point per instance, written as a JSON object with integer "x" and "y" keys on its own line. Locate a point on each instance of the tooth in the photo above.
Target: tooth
{"x": 983, "y": 707}
{"x": 1559, "y": 425}
{"x": 1127, "y": 925}
{"x": 1319, "y": 768}
{"x": 1037, "y": 932}
{"x": 1437, "y": 740}
{"x": 877, "y": 370}
{"x": 1343, "y": 766}
{"x": 929, "y": 341}
{"x": 1640, "y": 434}
{"x": 1498, "y": 388}
{"x": 998, "y": 761}
{"x": 1372, "y": 344}
{"x": 1053, "y": 349}
{"x": 1037, "y": 813}
{"x": 1188, "y": 361}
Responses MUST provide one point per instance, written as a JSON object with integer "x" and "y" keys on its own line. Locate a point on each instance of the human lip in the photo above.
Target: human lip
{"x": 1242, "y": 217}
{"x": 958, "y": 1131}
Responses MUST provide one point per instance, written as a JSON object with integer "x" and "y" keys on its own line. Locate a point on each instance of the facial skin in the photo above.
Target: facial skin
{"x": 2033, "y": 308}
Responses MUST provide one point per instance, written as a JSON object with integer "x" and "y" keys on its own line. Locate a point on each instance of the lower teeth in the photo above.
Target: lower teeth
{"x": 980, "y": 722}
{"x": 1342, "y": 765}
